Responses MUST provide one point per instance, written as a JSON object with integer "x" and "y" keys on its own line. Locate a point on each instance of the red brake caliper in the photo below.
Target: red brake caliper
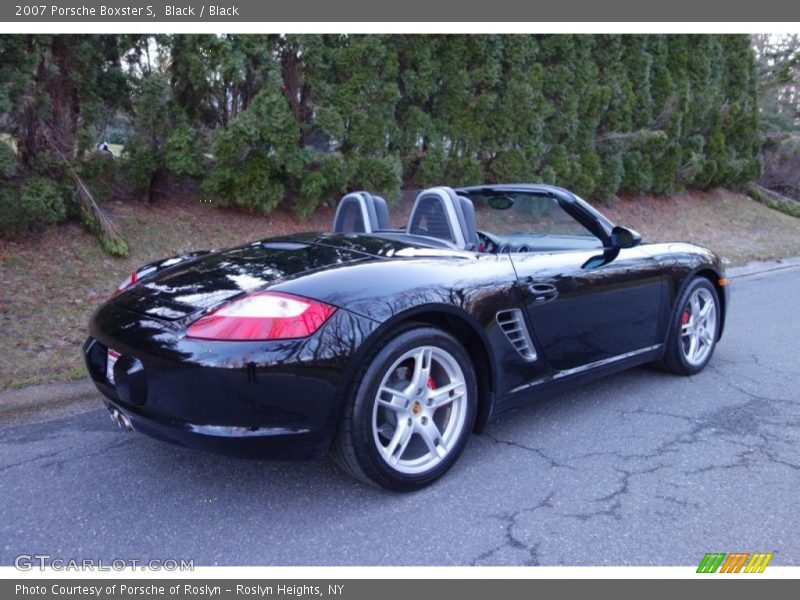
{"x": 431, "y": 383}
{"x": 685, "y": 317}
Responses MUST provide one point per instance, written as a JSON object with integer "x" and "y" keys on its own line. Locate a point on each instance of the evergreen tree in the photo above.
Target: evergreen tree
{"x": 250, "y": 153}
{"x": 55, "y": 90}
{"x": 262, "y": 118}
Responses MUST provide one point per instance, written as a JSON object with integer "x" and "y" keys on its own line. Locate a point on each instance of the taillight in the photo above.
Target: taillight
{"x": 126, "y": 283}
{"x": 133, "y": 278}
{"x": 262, "y": 316}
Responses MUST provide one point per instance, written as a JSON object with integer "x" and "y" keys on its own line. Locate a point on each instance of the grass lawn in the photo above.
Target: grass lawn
{"x": 52, "y": 281}
{"x": 736, "y": 227}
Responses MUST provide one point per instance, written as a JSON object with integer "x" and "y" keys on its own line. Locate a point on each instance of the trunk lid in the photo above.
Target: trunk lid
{"x": 206, "y": 282}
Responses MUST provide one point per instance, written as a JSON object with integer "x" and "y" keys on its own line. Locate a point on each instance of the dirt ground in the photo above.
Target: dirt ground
{"x": 733, "y": 225}
{"x": 51, "y": 281}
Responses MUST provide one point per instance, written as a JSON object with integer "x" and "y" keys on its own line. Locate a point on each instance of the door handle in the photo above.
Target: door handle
{"x": 543, "y": 292}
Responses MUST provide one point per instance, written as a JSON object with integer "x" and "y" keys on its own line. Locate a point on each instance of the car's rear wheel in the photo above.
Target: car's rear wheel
{"x": 409, "y": 412}
{"x": 694, "y": 329}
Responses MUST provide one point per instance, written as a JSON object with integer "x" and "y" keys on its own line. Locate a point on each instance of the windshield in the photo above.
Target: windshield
{"x": 519, "y": 221}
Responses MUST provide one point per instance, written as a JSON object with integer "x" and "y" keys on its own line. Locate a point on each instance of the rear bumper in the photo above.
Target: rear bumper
{"x": 262, "y": 399}
{"x": 246, "y": 442}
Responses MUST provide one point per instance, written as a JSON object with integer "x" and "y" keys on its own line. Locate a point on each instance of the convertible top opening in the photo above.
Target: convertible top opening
{"x": 501, "y": 219}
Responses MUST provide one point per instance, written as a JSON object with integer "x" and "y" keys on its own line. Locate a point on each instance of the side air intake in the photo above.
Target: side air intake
{"x": 513, "y": 325}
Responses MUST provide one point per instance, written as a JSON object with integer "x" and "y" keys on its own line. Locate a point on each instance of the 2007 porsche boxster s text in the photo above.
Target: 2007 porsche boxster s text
{"x": 389, "y": 346}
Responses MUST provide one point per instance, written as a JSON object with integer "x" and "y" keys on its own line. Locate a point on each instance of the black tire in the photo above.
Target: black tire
{"x": 675, "y": 358}
{"x": 355, "y": 446}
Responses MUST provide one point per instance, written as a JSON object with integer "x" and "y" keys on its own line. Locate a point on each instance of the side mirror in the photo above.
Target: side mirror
{"x": 622, "y": 237}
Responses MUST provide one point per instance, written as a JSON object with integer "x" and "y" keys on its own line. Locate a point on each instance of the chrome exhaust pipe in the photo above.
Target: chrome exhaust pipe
{"x": 122, "y": 420}
{"x": 126, "y": 422}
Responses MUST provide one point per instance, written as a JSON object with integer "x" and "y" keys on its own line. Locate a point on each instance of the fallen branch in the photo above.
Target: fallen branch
{"x": 110, "y": 237}
{"x": 93, "y": 216}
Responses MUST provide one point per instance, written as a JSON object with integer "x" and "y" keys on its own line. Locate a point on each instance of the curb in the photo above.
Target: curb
{"x": 51, "y": 396}
{"x": 761, "y": 267}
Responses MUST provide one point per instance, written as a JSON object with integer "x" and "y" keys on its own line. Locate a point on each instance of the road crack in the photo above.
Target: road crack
{"x": 512, "y": 541}
{"x": 553, "y": 463}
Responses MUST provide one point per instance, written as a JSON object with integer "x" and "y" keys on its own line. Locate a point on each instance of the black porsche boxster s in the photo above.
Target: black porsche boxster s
{"x": 387, "y": 347}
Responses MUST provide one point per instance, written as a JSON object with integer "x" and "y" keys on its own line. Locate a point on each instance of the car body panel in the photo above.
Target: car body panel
{"x": 580, "y": 315}
{"x": 589, "y": 312}
{"x": 211, "y": 279}
{"x": 243, "y": 389}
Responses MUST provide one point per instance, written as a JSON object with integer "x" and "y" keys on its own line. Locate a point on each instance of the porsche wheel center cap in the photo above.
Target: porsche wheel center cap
{"x": 416, "y": 408}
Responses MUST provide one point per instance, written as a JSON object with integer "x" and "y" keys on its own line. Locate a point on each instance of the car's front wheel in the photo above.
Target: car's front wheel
{"x": 694, "y": 329}
{"x": 409, "y": 412}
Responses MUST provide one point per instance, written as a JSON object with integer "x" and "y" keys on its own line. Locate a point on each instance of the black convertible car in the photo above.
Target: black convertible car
{"x": 388, "y": 346}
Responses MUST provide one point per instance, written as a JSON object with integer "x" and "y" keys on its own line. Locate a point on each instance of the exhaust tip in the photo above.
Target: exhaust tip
{"x": 122, "y": 420}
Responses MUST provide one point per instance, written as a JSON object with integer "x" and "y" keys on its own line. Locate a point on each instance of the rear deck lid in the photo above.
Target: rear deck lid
{"x": 212, "y": 279}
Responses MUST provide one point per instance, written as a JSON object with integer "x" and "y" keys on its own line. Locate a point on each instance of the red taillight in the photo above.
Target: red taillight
{"x": 134, "y": 277}
{"x": 126, "y": 283}
{"x": 262, "y": 316}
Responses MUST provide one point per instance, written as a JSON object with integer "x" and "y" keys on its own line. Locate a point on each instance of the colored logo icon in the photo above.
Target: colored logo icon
{"x": 736, "y": 562}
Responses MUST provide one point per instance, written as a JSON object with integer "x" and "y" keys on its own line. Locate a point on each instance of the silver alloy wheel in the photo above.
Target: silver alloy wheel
{"x": 698, "y": 326}
{"x": 420, "y": 410}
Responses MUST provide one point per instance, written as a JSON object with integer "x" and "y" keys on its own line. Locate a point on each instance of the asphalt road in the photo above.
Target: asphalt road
{"x": 642, "y": 468}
